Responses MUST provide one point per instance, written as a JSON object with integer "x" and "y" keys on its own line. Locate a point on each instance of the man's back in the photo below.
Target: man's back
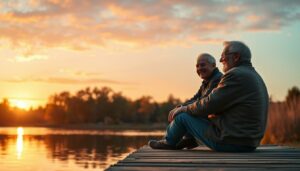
{"x": 242, "y": 119}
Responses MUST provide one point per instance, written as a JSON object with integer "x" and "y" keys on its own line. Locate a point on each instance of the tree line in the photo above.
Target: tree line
{"x": 97, "y": 105}
{"x": 104, "y": 106}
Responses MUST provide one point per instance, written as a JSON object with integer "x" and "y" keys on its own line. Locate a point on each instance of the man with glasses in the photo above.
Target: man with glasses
{"x": 239, "y": 106}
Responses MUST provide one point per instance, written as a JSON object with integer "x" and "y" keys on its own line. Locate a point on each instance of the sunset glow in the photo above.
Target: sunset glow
{"x": 141, "y": 47}
{"x": 21, "y": 104}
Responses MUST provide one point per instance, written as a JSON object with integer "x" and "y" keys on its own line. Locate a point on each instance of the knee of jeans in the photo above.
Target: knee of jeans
{"x": 181, "y": 117}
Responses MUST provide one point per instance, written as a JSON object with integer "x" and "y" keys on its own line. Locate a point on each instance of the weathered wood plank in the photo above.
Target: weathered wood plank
{"x": 202, "y": 158}
{"x": 133, "y": 168}
{"x": 263, "y": 147}
{"x": 191, "y": 155}
{"x": 211, "y": 165}
{"x": 222, "y": 161}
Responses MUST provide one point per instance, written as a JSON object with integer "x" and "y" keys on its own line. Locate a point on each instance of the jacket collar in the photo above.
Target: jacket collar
{"x": 244, "y": 63}
{"x": 214, "y": 73}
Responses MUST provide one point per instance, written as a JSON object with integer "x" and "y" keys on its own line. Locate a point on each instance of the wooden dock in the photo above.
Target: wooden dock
{"x": 267, "y": 157}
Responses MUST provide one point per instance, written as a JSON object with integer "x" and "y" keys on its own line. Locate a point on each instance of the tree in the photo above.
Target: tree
{"x": 293, "y": 94}
{"x": 165, "y": 108}
{"x": 293, "y": 97}
{"x": 121, "y": 109}
{"x": 144, "y": 108}
{"x": 5, "y": 113}
{"x": 103, "y": 102}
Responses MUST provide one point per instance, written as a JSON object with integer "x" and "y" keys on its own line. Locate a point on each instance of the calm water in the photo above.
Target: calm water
{"x": 60, "y": 149}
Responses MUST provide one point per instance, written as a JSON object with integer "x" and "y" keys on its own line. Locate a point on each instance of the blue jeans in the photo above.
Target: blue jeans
{"x": 186, "y": 124}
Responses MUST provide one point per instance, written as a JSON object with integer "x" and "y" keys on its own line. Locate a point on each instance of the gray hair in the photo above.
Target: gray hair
{"x": 239, "y": 47}
{"x": 210, "y": 59}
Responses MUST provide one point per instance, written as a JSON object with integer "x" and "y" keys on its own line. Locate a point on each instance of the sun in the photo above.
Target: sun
{"x": 22, "y": 104}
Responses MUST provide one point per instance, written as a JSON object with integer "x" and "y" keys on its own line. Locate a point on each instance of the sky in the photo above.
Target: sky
{"x": 142, "y": 47}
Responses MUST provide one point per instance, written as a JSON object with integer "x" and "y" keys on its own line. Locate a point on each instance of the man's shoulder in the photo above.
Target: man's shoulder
{"x": 242, "y": 74}
{"x": 219, "y": 73}
{"x": 240, "y": 70}
{"x": 217, "y": 76}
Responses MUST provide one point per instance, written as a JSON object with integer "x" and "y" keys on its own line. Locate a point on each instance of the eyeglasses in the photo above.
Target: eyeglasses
{"x": 223, "y": 57}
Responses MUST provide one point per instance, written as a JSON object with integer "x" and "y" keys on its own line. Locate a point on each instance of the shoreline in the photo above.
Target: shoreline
{"x": 117, "y": 127}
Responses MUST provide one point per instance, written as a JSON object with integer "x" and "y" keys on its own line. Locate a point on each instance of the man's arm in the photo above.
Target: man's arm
{"x": 194, "y": 98}
{"x": 227, "y": 93}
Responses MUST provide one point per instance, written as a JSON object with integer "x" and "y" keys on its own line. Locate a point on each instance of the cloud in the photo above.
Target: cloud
{"x": 79, "y": 73}
{"x": 79, "y": 25}
{"x": 64, "y": 80}
{"x": 29, "y": 58}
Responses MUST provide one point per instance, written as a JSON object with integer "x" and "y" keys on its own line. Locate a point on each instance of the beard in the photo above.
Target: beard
{"x": 225, "y": 68}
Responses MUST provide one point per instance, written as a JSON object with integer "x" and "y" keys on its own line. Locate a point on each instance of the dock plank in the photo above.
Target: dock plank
{"x": 201, "y": 158}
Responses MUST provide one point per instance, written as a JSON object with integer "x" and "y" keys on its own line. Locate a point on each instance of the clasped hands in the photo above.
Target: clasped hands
{"x": 176, "y": 111}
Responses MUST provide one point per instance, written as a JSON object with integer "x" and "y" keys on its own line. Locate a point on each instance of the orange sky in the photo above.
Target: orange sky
{"x": 139, "y": 47}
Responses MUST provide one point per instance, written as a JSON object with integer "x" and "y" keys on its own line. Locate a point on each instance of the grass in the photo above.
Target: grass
{"x": 283, "y": 123}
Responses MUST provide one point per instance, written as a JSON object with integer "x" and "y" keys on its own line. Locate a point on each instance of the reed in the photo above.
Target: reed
{"x": 283, "y": 122}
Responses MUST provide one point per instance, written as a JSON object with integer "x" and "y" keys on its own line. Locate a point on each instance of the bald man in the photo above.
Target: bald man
{"x": 211, "y": 76}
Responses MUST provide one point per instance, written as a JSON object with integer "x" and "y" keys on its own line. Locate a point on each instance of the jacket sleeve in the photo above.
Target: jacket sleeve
{"x": 194, "y": 98}
{"x": 228, "y": 93}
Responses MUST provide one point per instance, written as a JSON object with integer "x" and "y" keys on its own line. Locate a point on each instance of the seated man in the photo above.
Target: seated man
{"x": 239, "y": 105}
{"x": 207, "y": 70}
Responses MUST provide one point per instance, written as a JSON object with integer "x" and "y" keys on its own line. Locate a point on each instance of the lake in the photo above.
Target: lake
{"x": 42, "y": 149}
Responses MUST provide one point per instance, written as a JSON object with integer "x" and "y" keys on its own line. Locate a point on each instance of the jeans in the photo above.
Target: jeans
{"x": 186, "y": 124}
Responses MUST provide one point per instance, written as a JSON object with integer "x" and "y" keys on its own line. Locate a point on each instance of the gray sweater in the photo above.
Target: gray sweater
{"x": 240, "y": 103}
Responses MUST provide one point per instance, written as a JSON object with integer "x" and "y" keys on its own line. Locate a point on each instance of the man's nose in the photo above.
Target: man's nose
{"x": 222, "y": 59}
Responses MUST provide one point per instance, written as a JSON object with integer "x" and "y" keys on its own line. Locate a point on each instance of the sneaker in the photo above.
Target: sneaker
{"x": 188, "y": 143}
{"x": 160, "y": 144}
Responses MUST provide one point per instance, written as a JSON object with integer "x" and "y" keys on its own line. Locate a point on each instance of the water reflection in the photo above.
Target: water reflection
{"x": 90, "y": 151}
{"x": 65, "y": 152}
{"x": 19, "y": 144}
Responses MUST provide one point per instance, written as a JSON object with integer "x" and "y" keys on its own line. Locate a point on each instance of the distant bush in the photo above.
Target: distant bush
{"x": 284, "y": 120}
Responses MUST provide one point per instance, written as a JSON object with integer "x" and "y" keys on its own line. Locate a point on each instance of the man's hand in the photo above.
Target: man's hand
{"x": 211, "y": 116}
{"x": 176, "y": 111}
{"x": 171, "y": 113}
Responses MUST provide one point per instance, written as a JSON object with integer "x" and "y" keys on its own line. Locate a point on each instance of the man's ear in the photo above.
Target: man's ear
{"x": 236, "y": 57}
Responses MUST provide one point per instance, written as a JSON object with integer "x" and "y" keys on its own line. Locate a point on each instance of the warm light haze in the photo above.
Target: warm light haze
{"x": 22, "y": 104}
{"x": 139, "y": 48}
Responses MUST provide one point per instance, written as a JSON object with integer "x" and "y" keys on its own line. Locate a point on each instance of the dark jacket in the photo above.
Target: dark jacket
{"x": 206, "y": 87}
{"x": 240, "y": 103}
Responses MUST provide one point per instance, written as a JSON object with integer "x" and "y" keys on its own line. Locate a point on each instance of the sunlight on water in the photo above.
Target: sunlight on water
{"x": 59, "y": 131}
{"x": 47, "y": 149}
{"x": 19, "y": 144}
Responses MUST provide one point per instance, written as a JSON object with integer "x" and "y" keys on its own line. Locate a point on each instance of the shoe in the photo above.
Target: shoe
{"x": 188, "y": 143}
{"x": 160, "y": 144}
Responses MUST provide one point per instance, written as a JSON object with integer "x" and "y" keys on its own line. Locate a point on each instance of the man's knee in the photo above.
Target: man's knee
{"x": 182, "y": 117}
{"x": 186, "y": 118}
